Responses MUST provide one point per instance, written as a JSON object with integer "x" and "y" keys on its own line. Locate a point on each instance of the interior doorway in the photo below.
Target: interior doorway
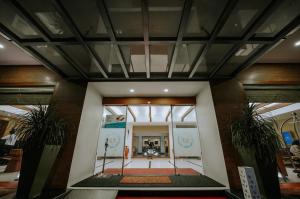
{"x": 148, "y": 138}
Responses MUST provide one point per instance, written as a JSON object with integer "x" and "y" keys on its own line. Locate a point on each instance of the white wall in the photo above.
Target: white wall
{"x": 212, "y": 152}
{"x": 84, "y": 157}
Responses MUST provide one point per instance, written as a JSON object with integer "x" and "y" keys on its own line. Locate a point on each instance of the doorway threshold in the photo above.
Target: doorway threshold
{"x": 178, "y": 182}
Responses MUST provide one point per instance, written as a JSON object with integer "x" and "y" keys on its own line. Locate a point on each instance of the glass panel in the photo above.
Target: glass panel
{"x": 16, "y": 23}
{"x": 113, "y": 132}
{"x": 240, "y": 17}
{"x": 55, "y": 58}
{"x": 213, "y": 57}
{"x": 288, "y": 10}
{"x": 187, "y": 151}
{"x": 108, "y": 55}
{"x": 141, "y": 113}
{"x": 126, "y": 17}
{"x": 240, "y": 57}
{"x": 164, "y": 17}
{"x": 186, "y": 55}
{"x": 87, "y": 17}
{"x": 83, "y": 58}
{"x": 45, "y": 13}
{"x": 134, "y": 57}
{"x": 201, "y": 20}
{"x": 160, "y": 56}
{"x": 160, "y": 113}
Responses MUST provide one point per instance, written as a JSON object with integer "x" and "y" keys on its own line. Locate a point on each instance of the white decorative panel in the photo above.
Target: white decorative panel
{"x": 186, "y": 142}
{"x": 115, "y": 142}
{"x": 249, "y": 183}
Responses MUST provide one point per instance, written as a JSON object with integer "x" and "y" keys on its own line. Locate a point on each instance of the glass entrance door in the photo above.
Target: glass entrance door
{"x": 142, "y": 139}
{"x": 186, "y": 140}
{"x": 111, "y": 144}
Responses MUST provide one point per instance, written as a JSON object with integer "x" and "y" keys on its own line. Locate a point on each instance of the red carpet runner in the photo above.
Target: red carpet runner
{"x": 152, "y": 171}
{"x": 138, "y": 197}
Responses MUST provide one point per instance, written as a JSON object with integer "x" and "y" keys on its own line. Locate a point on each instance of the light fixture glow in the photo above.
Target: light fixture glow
{"x": 1, "y": 46}
{"x": 297, "y": 43}
{"x": 132, "y": 90}
{"x": 166, "y": 90}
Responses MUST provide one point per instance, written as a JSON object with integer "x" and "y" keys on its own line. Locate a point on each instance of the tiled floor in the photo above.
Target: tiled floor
{"x": 292, "y": 176}
{"x": 195, "y": 164}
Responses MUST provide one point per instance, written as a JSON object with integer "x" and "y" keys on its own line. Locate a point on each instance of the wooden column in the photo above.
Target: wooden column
{"x": 228, "y": 97}
{"x": 68, "y": 98}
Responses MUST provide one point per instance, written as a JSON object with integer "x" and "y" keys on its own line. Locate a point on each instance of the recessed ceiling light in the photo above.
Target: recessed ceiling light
{"x": 132, "y": 90}
{"x": 166, "y": 90}
{"x": 297, "y": 43}
{"x": 1, "y": 46}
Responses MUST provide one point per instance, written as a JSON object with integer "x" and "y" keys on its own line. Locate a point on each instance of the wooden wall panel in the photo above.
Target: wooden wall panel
{"x": 228, "y": 98}
{"x": 152, "y": 100}
{"x": 278, "y": 74}
{"x": 27, "y": 76}
{"x": 68, "y": 99}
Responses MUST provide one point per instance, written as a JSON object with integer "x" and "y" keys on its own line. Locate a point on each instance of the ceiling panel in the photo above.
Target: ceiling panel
{"x": 144, "y": 40}
{"x": 12, "y": 55}
{"x": 285, "y": 51}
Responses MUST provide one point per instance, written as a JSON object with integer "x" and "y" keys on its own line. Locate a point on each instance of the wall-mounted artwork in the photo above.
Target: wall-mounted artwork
{"x": 115, "y": 121}
{"x": 287, "y": 137}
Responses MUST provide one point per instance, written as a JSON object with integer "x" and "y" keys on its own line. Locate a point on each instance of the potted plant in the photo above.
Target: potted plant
{"x": 40, "y": 134}
{"x": 256, "y": 141}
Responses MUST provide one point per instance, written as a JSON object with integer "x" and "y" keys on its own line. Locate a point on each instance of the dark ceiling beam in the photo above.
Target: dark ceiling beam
{"x": 72, "y": 26}
{"x": 140, "y": 41}
{"x": 182, "y": 27}
{"x": 218, "y": 27}
{"x": 109, "y": 27}
{"x": 281, "y": 35}
{"x": 253, "y": 27}
{"x": 13, "y": 38}
{"x": 145, "y": 12}
{"x": 155, "y": 76}
{"x": 39, "y": 29}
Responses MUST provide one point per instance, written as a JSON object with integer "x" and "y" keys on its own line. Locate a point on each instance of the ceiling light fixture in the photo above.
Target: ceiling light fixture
{"x": 1, "y": 46}
{"x": 297, "y": 43}
{"x": 132, "y": 90}
{"x": 166, "y": 90}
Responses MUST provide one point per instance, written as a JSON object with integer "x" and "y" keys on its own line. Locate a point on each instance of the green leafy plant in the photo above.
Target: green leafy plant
{"x": 251, "y": 131}
{"x": 39, "y": 127}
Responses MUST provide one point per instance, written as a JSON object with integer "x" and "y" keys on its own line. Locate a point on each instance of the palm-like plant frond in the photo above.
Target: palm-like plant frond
{"x": 251, "y": 131}
{"x": 39, "y": 127}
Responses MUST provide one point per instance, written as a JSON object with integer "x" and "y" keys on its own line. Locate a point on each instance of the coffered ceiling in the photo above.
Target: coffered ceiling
{"x": 102, "y": 40}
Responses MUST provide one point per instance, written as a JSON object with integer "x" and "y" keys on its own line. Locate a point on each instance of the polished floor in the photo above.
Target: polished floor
{"x": 192, "y": 163}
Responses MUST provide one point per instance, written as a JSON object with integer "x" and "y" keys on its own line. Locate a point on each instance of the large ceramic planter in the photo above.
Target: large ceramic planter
{"x": 35, "y": 169}
{"x": 266, "y": 175}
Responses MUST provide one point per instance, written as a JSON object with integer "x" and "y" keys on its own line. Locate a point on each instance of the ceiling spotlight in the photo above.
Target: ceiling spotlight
{"x": 297, "y": 43}
{"x": 166, "y": 90}
{"x": 131, "y": 90}
{"x": 1, "y": 46}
